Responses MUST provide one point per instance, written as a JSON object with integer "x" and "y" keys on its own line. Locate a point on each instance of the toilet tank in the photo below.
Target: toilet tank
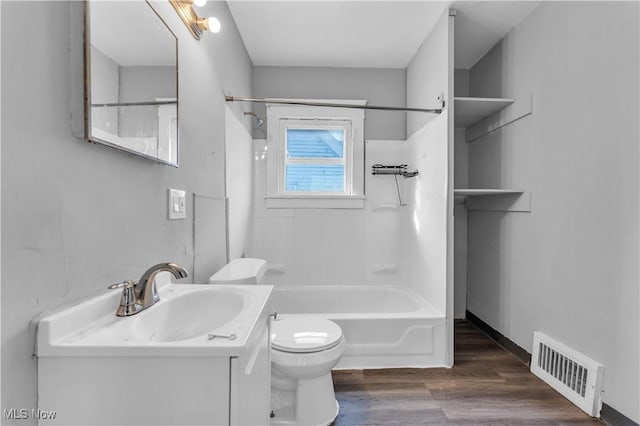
{"x": 244, "y": 270}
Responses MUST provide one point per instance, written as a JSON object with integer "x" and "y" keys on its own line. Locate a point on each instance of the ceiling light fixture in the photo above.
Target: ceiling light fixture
{"x": 194, "y": 23}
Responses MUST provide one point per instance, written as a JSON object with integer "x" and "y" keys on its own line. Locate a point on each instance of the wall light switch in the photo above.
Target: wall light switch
{"x": 177, "y": 204}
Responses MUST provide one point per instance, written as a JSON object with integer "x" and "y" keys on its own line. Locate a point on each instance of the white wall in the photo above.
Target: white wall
{"x": 378, "y": 86}
{"x": 77, "y": 217}
{"x": 570, "y": 267}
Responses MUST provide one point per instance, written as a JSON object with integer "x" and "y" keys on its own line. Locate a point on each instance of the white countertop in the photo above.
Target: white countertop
{"x": 92, "y": 328}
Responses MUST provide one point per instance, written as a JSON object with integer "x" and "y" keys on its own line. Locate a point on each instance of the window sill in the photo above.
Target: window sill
{"x": 314, "y": 202}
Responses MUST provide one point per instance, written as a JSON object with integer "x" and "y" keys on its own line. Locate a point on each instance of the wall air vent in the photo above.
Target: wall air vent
{"x": 577, "y": 377}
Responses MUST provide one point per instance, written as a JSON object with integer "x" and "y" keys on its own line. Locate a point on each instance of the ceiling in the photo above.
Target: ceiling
{"x": 371, "y": 34}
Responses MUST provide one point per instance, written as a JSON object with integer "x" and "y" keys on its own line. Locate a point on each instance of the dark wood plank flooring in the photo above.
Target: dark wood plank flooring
{"x": 487, "y": 386}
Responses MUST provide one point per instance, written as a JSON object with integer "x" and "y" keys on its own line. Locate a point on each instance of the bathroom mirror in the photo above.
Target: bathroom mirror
{"x": 131, "y": 79}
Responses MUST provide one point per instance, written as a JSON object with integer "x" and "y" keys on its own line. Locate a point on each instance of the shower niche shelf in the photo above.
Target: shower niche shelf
{"x": 506, "y": 200}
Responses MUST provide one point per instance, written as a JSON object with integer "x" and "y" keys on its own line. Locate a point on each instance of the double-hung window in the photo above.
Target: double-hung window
{"x": 315, "y": 157}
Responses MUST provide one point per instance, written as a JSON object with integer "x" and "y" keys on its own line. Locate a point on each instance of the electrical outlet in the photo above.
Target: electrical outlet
{"x": 177, "y": 204}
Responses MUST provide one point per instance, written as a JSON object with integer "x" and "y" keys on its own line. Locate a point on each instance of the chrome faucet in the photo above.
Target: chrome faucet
{"x": 146, "y": 290}
{"x": 139, "y": 295}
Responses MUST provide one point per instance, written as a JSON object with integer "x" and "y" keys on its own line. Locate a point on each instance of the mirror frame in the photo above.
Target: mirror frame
{"x": 87, "y": 90}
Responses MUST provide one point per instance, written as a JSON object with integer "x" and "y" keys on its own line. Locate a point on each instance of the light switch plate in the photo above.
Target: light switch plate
{"x": 177, "y": 204}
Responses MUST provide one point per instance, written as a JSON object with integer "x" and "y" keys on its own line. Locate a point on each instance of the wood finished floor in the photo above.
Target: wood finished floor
{"x": 487, "y": 386}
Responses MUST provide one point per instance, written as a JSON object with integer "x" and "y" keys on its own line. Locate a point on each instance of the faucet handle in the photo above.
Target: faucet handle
{"x": 124, "y": 284}
{"x": 128, "y": 303}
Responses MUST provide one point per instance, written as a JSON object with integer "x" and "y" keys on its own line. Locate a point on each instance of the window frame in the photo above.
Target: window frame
{"x": 282, "y": 117}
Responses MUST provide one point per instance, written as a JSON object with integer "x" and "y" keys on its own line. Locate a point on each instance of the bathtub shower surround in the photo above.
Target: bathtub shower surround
{"x": 378, "y": 272}
{"x": 425, "y": 217}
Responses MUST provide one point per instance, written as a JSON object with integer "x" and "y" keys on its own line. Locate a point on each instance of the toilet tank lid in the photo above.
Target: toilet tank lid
{"x": 241, "y": 268}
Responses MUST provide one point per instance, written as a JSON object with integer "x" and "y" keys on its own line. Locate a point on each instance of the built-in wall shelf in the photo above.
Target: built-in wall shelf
{"x": 469, "y": 111}
{"x": 482, "y": 116}
{"x": 504, "y": 200}
{"x": 471, "y": 192}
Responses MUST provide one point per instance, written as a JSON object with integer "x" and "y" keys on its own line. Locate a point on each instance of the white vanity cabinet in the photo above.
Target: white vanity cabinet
{"x": 251, "y": 381}
{"x": 100, "y": 374}
{"x": 134, "y": 391}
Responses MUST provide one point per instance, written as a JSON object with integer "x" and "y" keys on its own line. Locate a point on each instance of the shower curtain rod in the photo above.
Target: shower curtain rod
{"x": 325, "y": 104}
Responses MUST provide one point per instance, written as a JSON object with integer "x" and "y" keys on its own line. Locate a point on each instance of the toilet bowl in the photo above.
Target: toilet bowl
{"x": 303, "y": 352}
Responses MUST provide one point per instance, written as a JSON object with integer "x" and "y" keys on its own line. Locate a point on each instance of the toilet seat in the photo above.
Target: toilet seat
{"x": 304, "y": 334}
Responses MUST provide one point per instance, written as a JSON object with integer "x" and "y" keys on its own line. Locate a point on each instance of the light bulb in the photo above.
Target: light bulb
{"x": 213, "y": 24}
{"x": 199, "y": 3}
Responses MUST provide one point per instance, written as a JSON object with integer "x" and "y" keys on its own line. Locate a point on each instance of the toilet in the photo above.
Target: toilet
{"x": 303, "y": 352}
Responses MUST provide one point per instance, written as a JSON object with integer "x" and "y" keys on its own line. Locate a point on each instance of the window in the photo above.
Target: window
{"x": 315, "y": 157}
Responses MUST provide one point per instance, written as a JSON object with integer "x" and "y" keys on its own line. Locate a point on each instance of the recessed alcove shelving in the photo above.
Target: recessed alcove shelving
{"x": 469, "y": 111}
{"x": 472, "y": 192}
{"x": 475, "y": 115}
{"x": 506, "y": 200}
{"x": 481, "y": 116}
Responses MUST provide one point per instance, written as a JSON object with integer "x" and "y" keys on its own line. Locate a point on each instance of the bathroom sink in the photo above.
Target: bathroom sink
{"x": 179, "y": 324}
{"x": 114, "y": 369}
{"x": 188, "y": 315}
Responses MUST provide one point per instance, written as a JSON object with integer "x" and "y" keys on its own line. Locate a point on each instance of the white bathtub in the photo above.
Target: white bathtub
{"x": 384, "y": 326}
